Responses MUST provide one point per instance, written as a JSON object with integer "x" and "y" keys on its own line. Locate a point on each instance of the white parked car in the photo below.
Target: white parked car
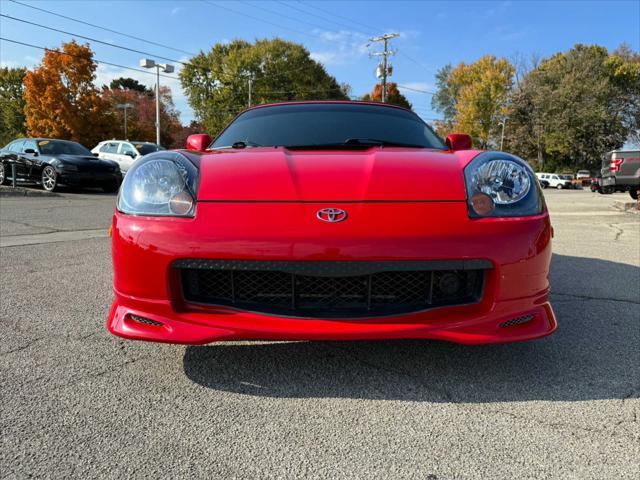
{"x": 553, "y": 180}
{"x": 124, "y": 152}
{"x": 583, "y": 174}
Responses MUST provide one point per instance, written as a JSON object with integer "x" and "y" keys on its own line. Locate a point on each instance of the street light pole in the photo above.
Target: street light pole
{"x": 167, "y": 68}
{"x": 503, "y": 123}
{"x": 125, "y": 106}
{"x": 158, "y": 105}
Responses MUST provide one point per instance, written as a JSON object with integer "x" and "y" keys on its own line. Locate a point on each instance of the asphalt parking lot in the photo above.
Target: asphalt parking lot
{"x": 78, "y": 402}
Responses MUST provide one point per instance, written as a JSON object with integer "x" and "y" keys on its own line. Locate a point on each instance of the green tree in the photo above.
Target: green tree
{"x": 394, "y": 97}
{"x": 11, "y": 104}
{"x": 217, "y": 83}
{"x": 444, "y": 100}
{"x": 575, "y": 106}
{"x": 126, "y": 83}
{"x": 473, "y": 98}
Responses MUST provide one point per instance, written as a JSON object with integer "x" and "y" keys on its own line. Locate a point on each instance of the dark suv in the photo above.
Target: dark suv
{"x": 621, "y": 172}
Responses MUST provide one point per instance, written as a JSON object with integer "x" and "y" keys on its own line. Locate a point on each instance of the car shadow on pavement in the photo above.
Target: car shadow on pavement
{"x": 595, "y": 354}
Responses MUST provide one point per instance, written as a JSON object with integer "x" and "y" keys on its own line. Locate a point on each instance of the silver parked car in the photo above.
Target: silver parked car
{"x": 124, "y": 152}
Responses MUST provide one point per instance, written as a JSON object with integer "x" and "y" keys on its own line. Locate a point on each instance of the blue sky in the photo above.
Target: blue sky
{"x": 335, "y": 32}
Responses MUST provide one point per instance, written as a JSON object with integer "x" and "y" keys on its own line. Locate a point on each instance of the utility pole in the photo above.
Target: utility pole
{"x": 125, "y": 106}
{"x": 250, "y": 85}
{"x": 385, "y": 58}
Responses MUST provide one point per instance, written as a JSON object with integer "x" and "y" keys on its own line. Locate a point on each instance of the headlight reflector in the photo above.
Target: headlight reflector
{"x": 160, "y": 184}
{"x": 504, "y": 181}
{"x": 501, "y": 185}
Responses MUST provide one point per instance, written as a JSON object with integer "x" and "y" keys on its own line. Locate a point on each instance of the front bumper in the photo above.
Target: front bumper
{"x": 145, "y": 248}
{"x": 626, "y": 181}
{"x": 89, "y": 179}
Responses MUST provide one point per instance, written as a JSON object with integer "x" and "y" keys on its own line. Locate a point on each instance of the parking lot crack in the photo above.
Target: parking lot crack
{"x": 619, "y": 231}
{"x": 20, "y": 348}
{"x": 566, "y": 427}
{"x": 589, "y": 297}
{"x": 25, "y": 224}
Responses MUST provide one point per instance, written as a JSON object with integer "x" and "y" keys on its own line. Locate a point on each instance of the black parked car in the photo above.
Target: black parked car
{"x": 57, "y": 162}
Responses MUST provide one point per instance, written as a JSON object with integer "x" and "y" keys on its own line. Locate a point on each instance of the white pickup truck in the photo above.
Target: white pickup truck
{"x": 553, "y": 180}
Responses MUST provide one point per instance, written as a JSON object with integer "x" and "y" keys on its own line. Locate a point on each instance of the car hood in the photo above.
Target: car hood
{"x": 373, "y": 174}
{"x": 82, "y": 159}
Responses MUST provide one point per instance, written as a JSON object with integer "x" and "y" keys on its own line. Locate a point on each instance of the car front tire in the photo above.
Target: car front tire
{"x": 49, "y": 178}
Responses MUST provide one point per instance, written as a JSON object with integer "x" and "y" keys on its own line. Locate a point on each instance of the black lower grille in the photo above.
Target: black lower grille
{"x": 332, "y": 289}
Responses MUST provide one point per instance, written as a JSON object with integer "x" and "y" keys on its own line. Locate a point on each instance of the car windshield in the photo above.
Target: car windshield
{"x": 329, "y": 125}
{"x": 60, "y": 147}
{"x": 145, "y": 148}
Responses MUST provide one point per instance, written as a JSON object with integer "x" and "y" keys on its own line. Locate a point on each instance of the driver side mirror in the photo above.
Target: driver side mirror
{"x": 459, "y": 141}
{"x": 31, "y": 151}
{"x": 131, "y": 154}
{"x": 198, "y": 142}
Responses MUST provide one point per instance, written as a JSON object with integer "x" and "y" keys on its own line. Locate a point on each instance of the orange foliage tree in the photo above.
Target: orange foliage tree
{"x": 61, "y": 100}
{"x": 394, "y": 97}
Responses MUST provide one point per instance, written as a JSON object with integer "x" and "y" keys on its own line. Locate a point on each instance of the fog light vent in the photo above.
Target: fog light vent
{"x": 145, "y": 321}
{"x": 517, "y": 321}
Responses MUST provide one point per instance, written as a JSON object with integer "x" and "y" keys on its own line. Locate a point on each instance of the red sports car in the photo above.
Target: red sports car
{"x": 330, "y": 221}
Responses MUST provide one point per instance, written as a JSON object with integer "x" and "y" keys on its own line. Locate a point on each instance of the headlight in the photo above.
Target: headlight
{"x": 501, "y": 185}
{"x": 160, "y": 184}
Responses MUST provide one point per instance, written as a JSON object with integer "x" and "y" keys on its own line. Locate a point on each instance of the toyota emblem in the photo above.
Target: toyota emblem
{"x": 331, "y": 215}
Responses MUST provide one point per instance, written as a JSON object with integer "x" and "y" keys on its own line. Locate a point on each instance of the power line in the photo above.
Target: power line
{"x": 282, "y": 14}
{"x": 334, "y": 14}
{"x": 78, "y": 56}
{"x": 369, "y": 28}
{"x": 259, "y": 92}
{"x": 204, "y": 69}
{"x": 315, "y": 15}
{"x": 103, "y": 28}
{"x": 93, "y": 39}
{"x": 415, "y": 89}
{"x": 300, "y": 32}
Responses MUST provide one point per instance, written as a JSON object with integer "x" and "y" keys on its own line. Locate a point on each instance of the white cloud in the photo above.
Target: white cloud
{"x": 343, "y": 46}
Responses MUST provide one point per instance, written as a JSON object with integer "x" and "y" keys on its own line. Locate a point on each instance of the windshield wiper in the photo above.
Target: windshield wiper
{"x": 382, "y": 143}
{"x": 239, "y": 144}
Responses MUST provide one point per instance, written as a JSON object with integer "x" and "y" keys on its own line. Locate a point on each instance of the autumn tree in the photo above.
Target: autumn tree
{"x": 11, "y": 104}
{"x": 180, "y": 138}
{"x": 473, "y": 98}
{"x": 576, "y": 106}
{"x": 217, "y": 82}
{"x": 141, "y": 117}
{"x": 394, "y": 97}
{"x": 61, "y": 99}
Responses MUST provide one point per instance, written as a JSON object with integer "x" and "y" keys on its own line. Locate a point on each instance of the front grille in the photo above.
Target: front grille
{"x": 332, "y": 289}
